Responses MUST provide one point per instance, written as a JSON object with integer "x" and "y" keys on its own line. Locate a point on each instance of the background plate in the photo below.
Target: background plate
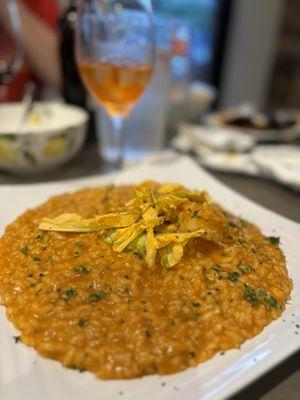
{"x": 26, "y": 376}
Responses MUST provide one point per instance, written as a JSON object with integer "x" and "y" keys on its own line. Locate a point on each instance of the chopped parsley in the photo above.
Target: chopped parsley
{"x": 148, "y": 333}
{"x": 250, "y": 295}
{"x": 24, "y": 250}
{"x": 231, "y": 224}
{"x": 37, "y": 260}
{"x": 98, "y": 295}
{"x": 243, "y": 222}
{"x": 39, "y": 238}
{"x": 74, "y": 366}
{"x": 68, "y": 293}
{"x": 81, "y": 322}
{"x": 261, "y": 293}
{"x": 78, "y": 244}
{"x": 274, "y": 240}
{"x": 17, "y": 339}
{"x": 138, "y": 254}
{"x": 248, "y": 267}
{"x": 233, "y": 276}
{"x": 271, "y": 301}
{"x": 242, "y": 241}
{"x": 82, "y": 269}
{"x": 196, "y": 304}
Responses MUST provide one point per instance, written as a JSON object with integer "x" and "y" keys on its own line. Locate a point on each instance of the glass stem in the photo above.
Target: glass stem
{"x": 118, "y": 138}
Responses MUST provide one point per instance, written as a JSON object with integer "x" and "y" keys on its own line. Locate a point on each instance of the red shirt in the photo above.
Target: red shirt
{"x": 48, "y": 11}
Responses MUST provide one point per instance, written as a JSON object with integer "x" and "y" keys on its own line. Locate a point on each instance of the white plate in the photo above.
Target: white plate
{"x": 26, "y": 376}
{"x": 282, "y": 163}
{"x": 260, "y": 135}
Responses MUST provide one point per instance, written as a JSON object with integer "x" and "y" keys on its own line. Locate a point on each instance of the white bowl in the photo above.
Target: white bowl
{"x": 52, "y": 134}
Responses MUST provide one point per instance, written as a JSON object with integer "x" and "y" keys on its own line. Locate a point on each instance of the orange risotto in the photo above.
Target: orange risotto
{"x": 137, "y": 280}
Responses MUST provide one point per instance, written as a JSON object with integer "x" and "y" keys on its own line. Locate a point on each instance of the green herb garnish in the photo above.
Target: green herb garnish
{"x": 78, "y": 244}
{"x": 148, "y": 333}
{"x": 243, "y": 222}
{"x": 81, "y": 322}
{"x": 82, "y": 269}
{"x": 98, "y": 295}
{"x": 261, "y": 293}
{"x": 17, "y": 339}
{"x": 233, "y": 276}
{"x": 248, "y": 267}
{"x": 274, "y": 239}
{"x": 139, "y": 255}
{"x": 39, "y": 238}
{"x": 271, "y": 301}
{"x": 250, "y": 295}
{"x": 69, "y": 293}
{"x": 24, "y": 250}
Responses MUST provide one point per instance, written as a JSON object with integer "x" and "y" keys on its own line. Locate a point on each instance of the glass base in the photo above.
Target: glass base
{"x": 130, "y": 156}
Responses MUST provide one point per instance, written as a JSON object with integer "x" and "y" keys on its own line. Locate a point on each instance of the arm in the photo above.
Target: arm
{"x": 40, "y": 45}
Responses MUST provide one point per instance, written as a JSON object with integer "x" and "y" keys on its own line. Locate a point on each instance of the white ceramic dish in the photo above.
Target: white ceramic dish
{"x": 53, "y": 135}
{"x": 281, "y": 163}
{"x": 260, "y": 135}
{"x": 26, "y": 376}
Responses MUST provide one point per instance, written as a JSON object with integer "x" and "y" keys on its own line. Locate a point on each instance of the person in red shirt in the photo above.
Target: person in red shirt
{"x": 39, "y": 40}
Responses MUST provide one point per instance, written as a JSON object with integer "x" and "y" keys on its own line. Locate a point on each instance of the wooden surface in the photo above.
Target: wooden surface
{"x": 282, "y": 383}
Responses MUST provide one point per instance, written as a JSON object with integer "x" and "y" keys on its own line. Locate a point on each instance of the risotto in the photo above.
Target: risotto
{"x": 147, "y": 296}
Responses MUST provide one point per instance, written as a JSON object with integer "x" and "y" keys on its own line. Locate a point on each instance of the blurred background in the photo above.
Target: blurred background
{"x": 226, "y": 85}
{"x": 225, "y": 91}
{"x": 247, "y": 50}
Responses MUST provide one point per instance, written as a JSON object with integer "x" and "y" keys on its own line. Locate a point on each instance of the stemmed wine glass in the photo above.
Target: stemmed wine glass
{"x": 115, "y": 48}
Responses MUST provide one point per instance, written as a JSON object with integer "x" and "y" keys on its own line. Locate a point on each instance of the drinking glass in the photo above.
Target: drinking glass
{"x": 115, "y": 49}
